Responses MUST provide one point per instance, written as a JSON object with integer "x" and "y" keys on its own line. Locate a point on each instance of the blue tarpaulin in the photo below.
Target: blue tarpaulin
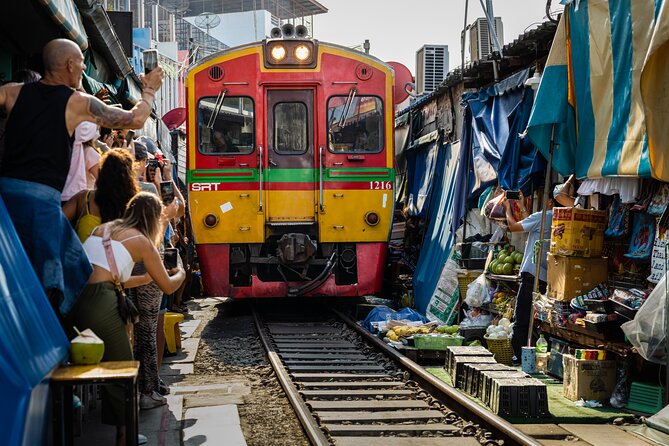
{"x": 438, "y": 240}
{"x": 492, "y": 148}
{"x": 33, "y": 343}
{"x": 421, "y": 160}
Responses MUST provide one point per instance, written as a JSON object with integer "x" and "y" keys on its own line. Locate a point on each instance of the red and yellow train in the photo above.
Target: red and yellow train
{"x": 290, "y": 169}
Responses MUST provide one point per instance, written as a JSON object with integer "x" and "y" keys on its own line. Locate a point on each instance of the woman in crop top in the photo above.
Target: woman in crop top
{"x": 115, "y": 186}
{"x": 134, "y": 239}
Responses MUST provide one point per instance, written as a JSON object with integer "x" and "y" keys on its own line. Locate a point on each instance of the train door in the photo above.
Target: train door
{"x": 290, "y": 156}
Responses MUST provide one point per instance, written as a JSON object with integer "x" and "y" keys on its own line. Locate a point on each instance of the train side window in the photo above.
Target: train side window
{"x": 227, "y": 128}
{"x": 290, "y": 128}
{"x": 355, "y": 126}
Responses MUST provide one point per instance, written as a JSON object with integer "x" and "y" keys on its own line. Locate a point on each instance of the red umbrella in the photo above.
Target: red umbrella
{"x": 175, "y": 117}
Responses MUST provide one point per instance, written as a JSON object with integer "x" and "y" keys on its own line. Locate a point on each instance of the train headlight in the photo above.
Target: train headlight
{"x": 278, "y": 52}
{"x": 302, "y": 52}
{"x": 210, "y": 220}
{"x": 372, "y": 218}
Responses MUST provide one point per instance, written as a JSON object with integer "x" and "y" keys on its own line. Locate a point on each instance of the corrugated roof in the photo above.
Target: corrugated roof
{"x": 284, "y": 9}
{"x": 519, "y": 54}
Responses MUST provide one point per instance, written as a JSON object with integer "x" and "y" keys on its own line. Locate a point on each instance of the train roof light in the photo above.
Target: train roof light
{"x": 278, "y": 53}
{"x": 290, "y": 53}
{"x": 302, "y": 52}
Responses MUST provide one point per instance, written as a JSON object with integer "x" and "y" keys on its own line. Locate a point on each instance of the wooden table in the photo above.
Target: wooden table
{"x": 123, "y": 373}
{"x": 580, "y": 335}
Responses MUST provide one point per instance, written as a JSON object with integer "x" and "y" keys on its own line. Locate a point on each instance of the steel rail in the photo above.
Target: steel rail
{"x": 452, "y": 398}
{"x": 309, "y": 423}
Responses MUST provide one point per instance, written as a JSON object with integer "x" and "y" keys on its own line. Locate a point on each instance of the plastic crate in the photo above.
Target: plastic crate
{"x": 452, "y": 353}
{"x": 436, "y": 342}
{"x": 501, "y": 349}
{"x": 623, "y": 310}
{"x": 645, "y": 398}
{"x": 598, "y": 306}
{"x": 478, "y": 264}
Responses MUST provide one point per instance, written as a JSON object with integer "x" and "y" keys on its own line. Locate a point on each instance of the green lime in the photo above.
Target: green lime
{"x": 510, "y": 259}
{"x": 507, "y": 268}
{"x": 501, "y": 258}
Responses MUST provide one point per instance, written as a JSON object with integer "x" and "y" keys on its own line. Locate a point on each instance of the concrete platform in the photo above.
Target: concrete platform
{"x": 212, "y": 425}
{"x": 604, "y": 435}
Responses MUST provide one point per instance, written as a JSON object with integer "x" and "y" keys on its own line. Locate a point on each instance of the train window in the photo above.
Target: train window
{"x": 226, "y": 127}
{"x": 290, "y": 128}
{"x": 355, "y": 125}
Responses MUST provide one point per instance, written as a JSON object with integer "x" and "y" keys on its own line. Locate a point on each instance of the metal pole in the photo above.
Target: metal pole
{"x": 463, "y": 38}
{"x": 547, "y": 184}
{"x": 666, "y": 324}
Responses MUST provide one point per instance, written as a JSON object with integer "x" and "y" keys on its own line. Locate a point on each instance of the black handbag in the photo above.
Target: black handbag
{"x": 126, "y": 308}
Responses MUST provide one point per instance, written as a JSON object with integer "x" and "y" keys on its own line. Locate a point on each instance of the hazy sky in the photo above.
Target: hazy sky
{"x": 396, "y": 29}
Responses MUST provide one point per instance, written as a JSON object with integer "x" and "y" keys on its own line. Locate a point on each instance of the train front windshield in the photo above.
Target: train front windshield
{"x": 226, "y": 126}
{"x": 355, "y": 125}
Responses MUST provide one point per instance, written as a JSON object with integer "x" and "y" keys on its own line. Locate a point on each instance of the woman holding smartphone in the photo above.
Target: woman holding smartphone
{"x": 134, "y": 238}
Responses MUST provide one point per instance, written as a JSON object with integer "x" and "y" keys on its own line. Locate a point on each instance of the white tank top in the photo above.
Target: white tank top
{"x": 96, "y": 255}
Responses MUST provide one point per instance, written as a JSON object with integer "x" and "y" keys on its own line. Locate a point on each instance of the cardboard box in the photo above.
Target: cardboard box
{"x": 587, "y": 379}
{"x": 569, "y": 277}
{"x": 577, "y": 232}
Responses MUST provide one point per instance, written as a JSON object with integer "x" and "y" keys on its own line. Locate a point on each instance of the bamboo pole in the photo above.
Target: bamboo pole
{"x": 547, "y": 184}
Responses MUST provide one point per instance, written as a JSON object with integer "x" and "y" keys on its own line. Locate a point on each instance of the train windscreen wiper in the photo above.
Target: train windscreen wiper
{"x": 347, "y": 107}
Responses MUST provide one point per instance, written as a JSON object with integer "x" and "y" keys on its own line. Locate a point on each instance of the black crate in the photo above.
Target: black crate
{"x": 473, "y": 334}
{"x": 598, "y": 306}
{"x": 608, "y": 328}
{"x": 460, "y": 361}
{"x": 488, "y": 378}
{"x": 475, "y": 264}
{"x": 473, "y": 378}
{"x": 624, "y": 310}
{"x": 519, "y": 397}
{"x": 457, "y": 350}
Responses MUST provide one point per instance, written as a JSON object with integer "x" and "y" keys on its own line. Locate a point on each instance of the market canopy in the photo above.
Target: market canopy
{"x": 590, "y": 97}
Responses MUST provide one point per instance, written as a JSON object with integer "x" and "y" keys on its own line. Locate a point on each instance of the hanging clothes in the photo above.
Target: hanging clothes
{"x": 628, "y": 188}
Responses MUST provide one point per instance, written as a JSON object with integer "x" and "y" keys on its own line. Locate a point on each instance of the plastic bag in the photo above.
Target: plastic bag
{"x": 383, "y": 314}
{"x": 646, "y": 331}
{"x": 494, "y": 209}
{"x": 620, "y": 394}
{"x": 477, "y": 291}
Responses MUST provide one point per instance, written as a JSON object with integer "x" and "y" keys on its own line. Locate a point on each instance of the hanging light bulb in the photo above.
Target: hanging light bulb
{"x": 534, "y": 81}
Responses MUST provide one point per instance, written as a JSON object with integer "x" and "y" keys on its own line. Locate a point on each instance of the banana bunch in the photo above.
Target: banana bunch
{"x": 394, "y": 334}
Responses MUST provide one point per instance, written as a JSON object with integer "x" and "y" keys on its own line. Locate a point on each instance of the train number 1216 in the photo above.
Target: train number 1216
{"x": 381, "y": 185}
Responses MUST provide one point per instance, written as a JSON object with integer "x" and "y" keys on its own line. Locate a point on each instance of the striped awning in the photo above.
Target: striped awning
{"x": 590, "y": 94}
{"x": 66, "y": 15}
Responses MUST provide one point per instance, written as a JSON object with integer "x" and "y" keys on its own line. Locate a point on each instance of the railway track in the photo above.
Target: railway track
{"x": 349, "y": 388}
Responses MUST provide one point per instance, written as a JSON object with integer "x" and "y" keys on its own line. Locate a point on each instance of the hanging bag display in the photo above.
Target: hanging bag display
{"x": 126, "y": 308}
{"x": 659, "y": 202}
{"x": 618, "y": 219}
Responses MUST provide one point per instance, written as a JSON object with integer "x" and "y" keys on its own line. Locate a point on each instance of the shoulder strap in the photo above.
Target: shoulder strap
{"x": 106, "y": 243}
{"x": 88, "y": 201}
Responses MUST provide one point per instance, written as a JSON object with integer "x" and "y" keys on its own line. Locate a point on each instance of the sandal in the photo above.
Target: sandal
{"x": 163, "y": 389}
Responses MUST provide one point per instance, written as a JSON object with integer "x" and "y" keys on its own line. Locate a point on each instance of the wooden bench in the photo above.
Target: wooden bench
{"x": 113, "y": 372}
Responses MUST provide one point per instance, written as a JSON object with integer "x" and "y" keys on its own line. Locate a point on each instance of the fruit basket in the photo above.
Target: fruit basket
{"x": 464, "y": 279}
{"x": 436, "y": 341}
{"x": 501, "y": 349}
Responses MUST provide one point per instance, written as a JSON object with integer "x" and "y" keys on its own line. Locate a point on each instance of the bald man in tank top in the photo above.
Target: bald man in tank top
{"x": 42, "y": 117}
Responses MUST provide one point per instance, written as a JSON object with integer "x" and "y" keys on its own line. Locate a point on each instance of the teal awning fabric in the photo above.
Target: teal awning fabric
{"x": 92, "y": 86}
{"x": 66, "y": 15}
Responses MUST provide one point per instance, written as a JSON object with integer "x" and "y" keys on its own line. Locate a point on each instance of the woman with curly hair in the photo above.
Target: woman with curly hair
{"x": 115, "y": 186}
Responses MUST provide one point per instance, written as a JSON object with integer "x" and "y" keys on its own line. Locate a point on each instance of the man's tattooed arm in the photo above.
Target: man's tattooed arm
{"x": 117, "y": 118}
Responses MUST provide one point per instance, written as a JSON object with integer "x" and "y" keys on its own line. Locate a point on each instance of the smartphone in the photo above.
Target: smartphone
{"x": 170, "y": 258}
{"x": 130, "y": 135}
{"x": 167, "y": 192}
{"x": 150, "y": 59}
{"x": 513, "y": 195}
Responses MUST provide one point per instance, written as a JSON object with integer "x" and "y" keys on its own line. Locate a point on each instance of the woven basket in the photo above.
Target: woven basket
{"x": 464, "y": 279}
{"x": 501, "y": 349}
